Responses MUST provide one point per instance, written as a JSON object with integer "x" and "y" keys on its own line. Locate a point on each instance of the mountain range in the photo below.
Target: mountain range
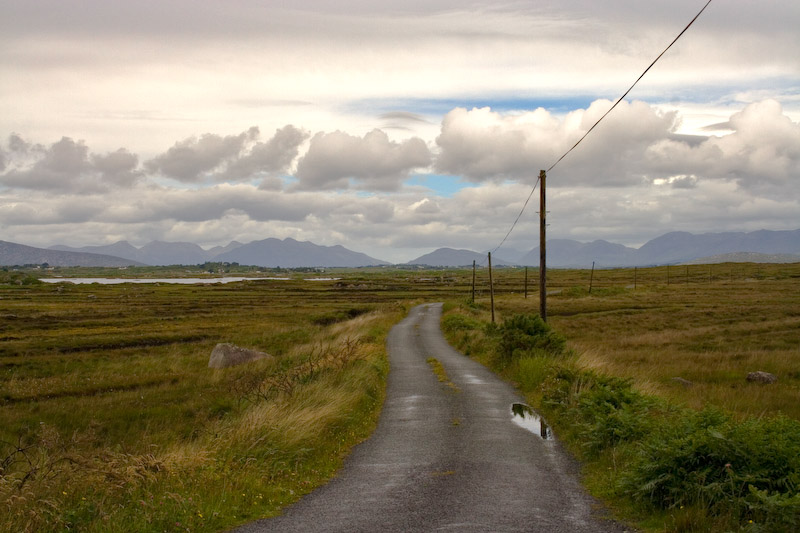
{"x": 271, "y": 253}
{"x": 671, "y": 248}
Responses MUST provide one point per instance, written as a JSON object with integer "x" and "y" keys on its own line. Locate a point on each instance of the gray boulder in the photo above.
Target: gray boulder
{"x": 762, "y": 377}
{"x": 226, "y": 354}
{"x": 685, "y": 382}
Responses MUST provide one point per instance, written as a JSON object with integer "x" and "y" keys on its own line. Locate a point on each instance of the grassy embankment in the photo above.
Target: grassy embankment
{"x": 111, "y": 420}
{"x": 715, "y": 454}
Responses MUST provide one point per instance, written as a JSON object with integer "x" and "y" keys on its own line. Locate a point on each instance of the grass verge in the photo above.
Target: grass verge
{"x": 660, "y": 465}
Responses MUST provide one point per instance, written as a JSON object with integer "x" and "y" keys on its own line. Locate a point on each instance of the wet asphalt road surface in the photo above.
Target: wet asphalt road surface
{"x": 443, "y": 459}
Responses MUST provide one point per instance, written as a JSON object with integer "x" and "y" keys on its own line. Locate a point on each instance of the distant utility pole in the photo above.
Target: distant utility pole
{"x": 473, "y": 281}
{"x": 542, "y": 251}
{"x": 526, "y": 282}
{"x": 491, "y": 285}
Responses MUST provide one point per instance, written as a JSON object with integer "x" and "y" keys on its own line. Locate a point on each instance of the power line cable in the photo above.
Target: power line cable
{"x": 525, "y": 205}
{"x": 528, "y": 199}
{"x": 631, "y": 87}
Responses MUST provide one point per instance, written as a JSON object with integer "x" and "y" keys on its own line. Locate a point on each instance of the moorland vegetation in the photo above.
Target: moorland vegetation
{"x": 111, "y": 420}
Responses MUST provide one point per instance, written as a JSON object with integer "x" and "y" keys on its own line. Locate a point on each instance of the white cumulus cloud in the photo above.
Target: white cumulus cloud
{"x": 339, "y": 160}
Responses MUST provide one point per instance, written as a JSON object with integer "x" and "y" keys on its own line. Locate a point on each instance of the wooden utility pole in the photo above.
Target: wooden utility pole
{"x": 526, "y": 282}
{"x": 591, "y": 278}
{"x": 542, "y": 251}
{"x": 491, "y": 285}
{"x": 473, "y": 281}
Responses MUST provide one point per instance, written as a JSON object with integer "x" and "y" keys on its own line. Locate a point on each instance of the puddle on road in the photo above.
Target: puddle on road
{"x": 525, "y": 417}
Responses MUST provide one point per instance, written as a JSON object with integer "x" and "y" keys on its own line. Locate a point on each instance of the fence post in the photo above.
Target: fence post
{"x": 591, "y": 278}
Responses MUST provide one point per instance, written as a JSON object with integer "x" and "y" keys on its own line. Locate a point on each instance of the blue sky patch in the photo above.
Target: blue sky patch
{"x": 443, "y": 185}
{"x": 441, "y": 106}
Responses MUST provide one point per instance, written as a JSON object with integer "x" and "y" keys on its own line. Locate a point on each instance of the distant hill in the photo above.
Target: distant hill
{"x": 670, "y": 248}
{"x": 173, "y": 253}
{"x": 119, "y": 249}
{"x": 290, "y": 253}
{"x": 218, "y": 250}
{"x": 18, "y": 254}
{"x": 567, "y": 253}
{"x": 450, "y": 257}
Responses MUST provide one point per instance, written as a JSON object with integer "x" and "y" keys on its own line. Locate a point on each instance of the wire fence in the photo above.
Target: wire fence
{"x": 588, "y": 282}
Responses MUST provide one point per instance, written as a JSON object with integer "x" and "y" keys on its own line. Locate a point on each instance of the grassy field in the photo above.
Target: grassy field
{"x": 711, "y": 336}
{"x": 711, "y": 331}
{"x": 111, "y": 420}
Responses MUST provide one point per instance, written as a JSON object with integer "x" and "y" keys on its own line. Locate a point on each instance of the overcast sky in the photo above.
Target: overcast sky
{"x": 394, "y": 128}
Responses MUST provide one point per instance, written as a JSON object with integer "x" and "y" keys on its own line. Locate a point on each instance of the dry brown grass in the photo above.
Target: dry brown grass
{"x": 710, "y": 333}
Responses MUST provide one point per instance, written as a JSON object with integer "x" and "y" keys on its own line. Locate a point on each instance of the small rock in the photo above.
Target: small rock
{"x": 226, "y": 354}
{"x": 762, "y": 377}
{"x": 685, "y": 382}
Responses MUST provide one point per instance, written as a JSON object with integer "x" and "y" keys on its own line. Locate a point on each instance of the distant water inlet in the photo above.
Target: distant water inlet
{"x": 526, "y": 418}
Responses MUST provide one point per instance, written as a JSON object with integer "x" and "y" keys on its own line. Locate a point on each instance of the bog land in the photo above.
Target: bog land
{"x": 111, "y": 420}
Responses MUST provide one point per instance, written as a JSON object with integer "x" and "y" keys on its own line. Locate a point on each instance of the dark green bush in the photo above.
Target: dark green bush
{"x": 455, "y": 322}
{"x": 522, "y": 334}
{"x": 603, "y": 411}
{"x": 613, "y": 412}
{"x": 743, "y": 472}
{"x": 748, "y": 471}
{"x": 774, "y": 511}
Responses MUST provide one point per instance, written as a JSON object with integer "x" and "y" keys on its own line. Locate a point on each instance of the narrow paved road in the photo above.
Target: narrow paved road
{"x": 443, "y": 459}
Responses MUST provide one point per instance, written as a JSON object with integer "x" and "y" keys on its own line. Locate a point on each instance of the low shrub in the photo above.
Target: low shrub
{"x": 526, "y": 333}
{"x": 456, "y": 322}
{"x": 746, "y": 471}
{"x": 739, "y": 473}
{"x": 602, "y": 410}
